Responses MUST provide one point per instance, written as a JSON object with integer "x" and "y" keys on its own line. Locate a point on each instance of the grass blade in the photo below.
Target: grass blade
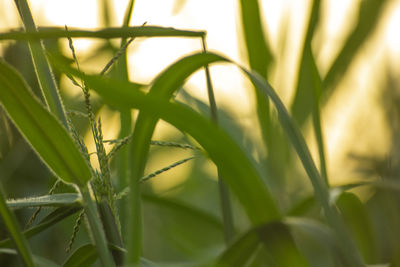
{"x": 107, "y": 33}
{"x": 226, "y": 207}
{"x": 370, "y": 12}
{"x": 51, "y": 219}
{"x": 277, "y": 239}
{"x": 57, "y": 200}
{"x": 42, "y": 67}
{"x": 300, "y": 107}
{"x": 260, "y": 59}
{"x": 13, "y": 228}
{"x": 188, "y": 121}
{"x": 52, "y": 143}
{"x": 219, "y": 146}
{"x": 356, "y": 217}
{"x": 85, "y": 255}
{"x": 43, "y": 131}
{"x": 45, "y": 134}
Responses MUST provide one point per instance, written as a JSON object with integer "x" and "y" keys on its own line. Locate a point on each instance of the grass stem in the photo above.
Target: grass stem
{"x": 227, "y": 216}
{"x": 48, "y": 85}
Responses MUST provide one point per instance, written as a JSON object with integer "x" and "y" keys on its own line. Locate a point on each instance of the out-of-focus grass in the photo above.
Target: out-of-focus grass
{"x": 183, "y": 224}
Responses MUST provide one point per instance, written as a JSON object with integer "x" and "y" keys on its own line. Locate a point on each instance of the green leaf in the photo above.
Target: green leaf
{"x": 13, "y": 228}
{"x": 301, "y": 107}
{"x": 50, "y": 220}
{"x": 355, "y": 215}
{"x": 277, "y": 239}
{"x": 41, "y": 129}
{"x": 107, "y": 33}
{"x": 240, "y": 172}
{"x": 176, "y": 207}
{"x": 56, "y": 200}
{"x": 258, "y": 52}
{"x": 370, "y": 12}
{"x": 260, "y": 59}
{"x": 43, "y": 70}
{"x": 85, "y": 255}
{"x": 244, "y": 179}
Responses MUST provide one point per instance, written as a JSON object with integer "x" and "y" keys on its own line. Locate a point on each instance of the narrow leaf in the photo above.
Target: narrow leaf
{"x": 56, "y": 200}
{"x": 13, "y": 228}
{"x": 50, "y": 220}
{"x": 370, "y": 12}
{"x": 85, "y": 255}
{"x": 41, "y": 129}
{"x": 107, "y": 33}
{"x": 277, "y": 239}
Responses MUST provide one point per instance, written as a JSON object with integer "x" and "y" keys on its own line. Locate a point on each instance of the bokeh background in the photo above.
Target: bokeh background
{"x": 360, "y": 121}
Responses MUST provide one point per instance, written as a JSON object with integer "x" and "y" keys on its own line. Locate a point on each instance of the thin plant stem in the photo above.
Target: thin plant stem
{"x": 317, "y": 120}
{"x": 96, "y": 227}
{"x": 227, "y": 216}
{"x": 48, "y": 86}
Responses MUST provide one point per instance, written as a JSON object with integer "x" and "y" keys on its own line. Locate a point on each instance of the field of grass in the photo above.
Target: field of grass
{"x": 71, "y": 195}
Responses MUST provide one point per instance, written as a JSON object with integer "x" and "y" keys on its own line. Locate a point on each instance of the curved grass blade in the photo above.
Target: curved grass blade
{"x": 51, "y": 219}
{"x": 52, "y": 143}
{"x": 223, "y": 151}
{"x": 56, "y": 200}
{"x": 13, "y": 228}
{"x": 277, "y": 239}
{"x": 41, "y": 129}
{"x": 108, "y": 33}
{"x": 245, "y": 181}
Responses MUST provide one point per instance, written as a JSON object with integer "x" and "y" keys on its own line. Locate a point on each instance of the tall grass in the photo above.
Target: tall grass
{"x": 128, "y": 222}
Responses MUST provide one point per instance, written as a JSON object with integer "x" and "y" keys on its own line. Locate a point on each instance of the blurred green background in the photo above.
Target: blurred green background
{"x": 356, "y": 47}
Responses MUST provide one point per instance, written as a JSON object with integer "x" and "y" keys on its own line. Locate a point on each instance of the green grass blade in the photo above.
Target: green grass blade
{"x": 260, "y": 59}
{"x": 177, "y": 206}
{"x": 320, "y": 188}
{"x": 123, "y": 158}
{"x": 194, "y": 124}
{"x": 56, "y": 200}
{"x": 108, "y": 33}
{"x": 43, "y": 70}
{"x": 226, "y": 206}
{"x": 370, "y": 13}
{"x": 128, "y": 13}
{"x": 85, "y": 255}
{"x": 301, "y": 107}
{"x": 245, "y": 180}
{"x": 51, "y": 219}
{"x": 164, "y": 86}
{"x": 355, "y": 215}
{"x": 41, "y": 129}
{"x": 96, "y": 227}
{"x": 277, "y": 239}
{"x": 13, "y": 228}
{"x": 258, "y": 52}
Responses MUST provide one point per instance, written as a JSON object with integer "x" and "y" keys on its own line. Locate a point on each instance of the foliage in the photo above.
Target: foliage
{"x": 126, "y": 221}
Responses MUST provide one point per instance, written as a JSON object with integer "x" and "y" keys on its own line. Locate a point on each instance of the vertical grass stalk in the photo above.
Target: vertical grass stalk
{"x": 96, "y": 227}
{"x": 227, "y": 216}
{"x": 50, "y": 94}
{"x": 15, "y": 233}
